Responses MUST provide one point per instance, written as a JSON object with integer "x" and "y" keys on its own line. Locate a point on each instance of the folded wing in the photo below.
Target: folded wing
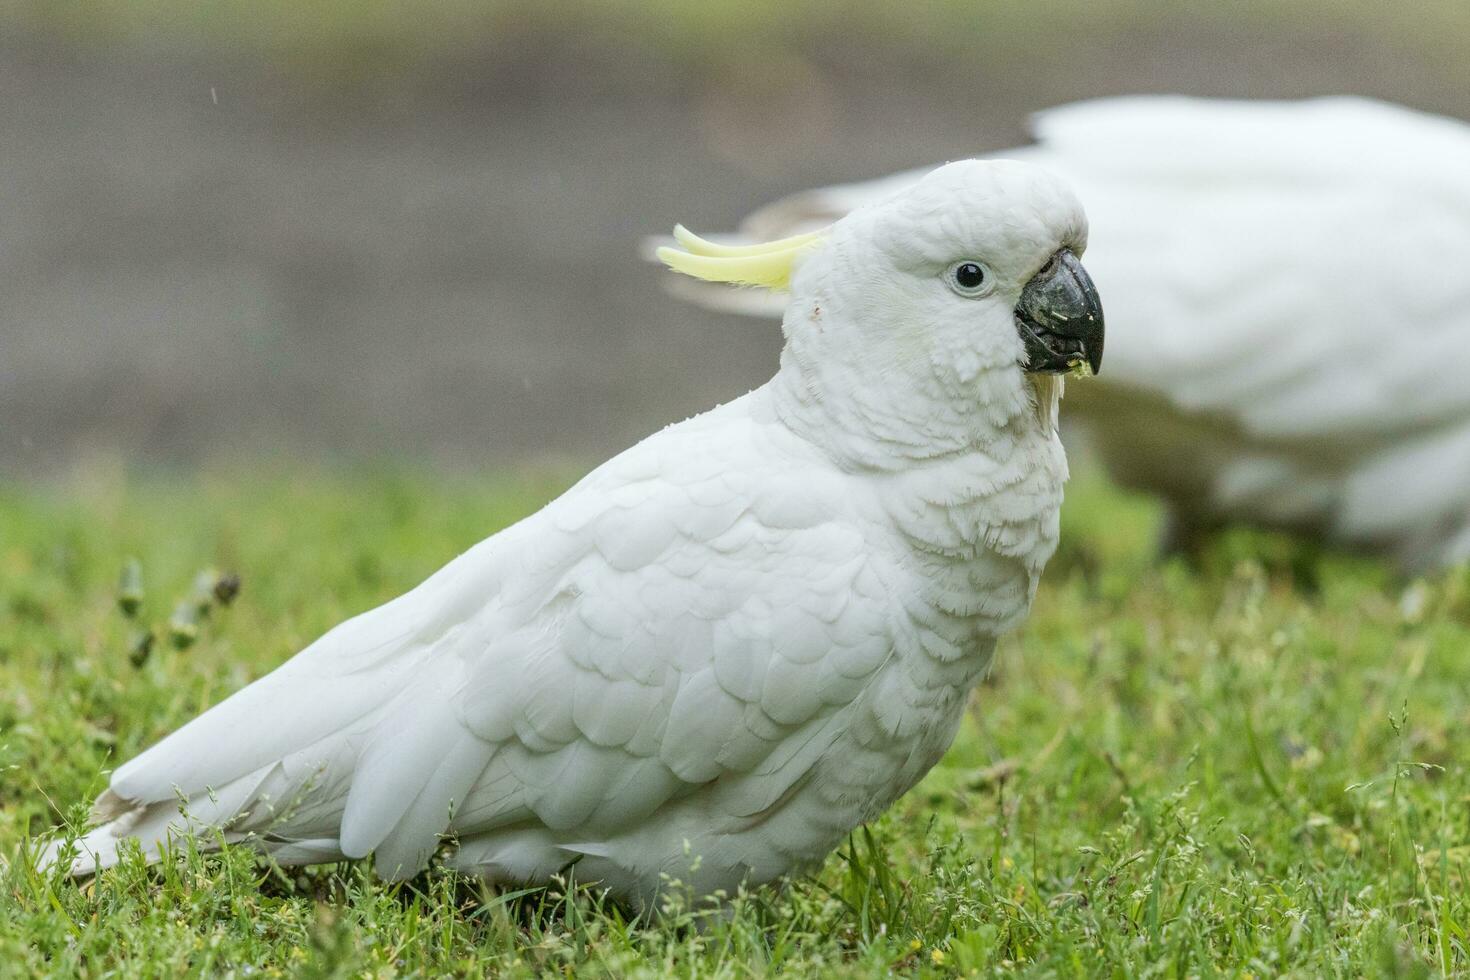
{"x": 683, "y": 622}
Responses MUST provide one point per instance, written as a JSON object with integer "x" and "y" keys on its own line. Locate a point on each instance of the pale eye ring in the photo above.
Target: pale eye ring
{"x": 968, "y": 278}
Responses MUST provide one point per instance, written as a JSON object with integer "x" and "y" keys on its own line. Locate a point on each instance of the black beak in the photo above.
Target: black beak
{"x": 1060, "y": 317}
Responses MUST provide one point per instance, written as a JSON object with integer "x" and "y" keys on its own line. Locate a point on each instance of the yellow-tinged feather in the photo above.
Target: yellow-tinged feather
{"x": 703, "y": 246}
{"x": 769, "y": 265}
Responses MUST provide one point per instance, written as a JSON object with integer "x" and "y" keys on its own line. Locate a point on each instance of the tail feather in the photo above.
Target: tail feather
{"x": 156, "y": 829}
{"x": 155, "y": 825}
{"x": 153, "y": 828}
{"x": 274, "y": 765}
{"x": 293, "y": 807}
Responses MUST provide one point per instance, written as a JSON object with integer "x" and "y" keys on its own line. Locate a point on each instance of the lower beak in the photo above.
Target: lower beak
{"x": 1060, "y": 318}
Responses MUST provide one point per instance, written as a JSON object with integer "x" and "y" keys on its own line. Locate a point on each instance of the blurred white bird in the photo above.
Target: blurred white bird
{"x": 726, "y": 647}
{"x": 1289, "y": 304}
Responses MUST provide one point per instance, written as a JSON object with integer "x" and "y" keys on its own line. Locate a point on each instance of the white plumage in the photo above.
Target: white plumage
{"x": 727, "y": 646}
{"x": 1288, "y": 293}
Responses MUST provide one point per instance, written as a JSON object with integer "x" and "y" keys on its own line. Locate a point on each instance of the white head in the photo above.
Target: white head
{"x": 918, "y": 326}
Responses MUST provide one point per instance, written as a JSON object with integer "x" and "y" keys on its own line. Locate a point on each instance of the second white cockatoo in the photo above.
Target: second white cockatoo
{"x": 726, "y": 647}
{"x": 1289, "y": 310}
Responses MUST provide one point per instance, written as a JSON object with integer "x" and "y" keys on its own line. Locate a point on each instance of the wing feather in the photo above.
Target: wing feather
{"x": 680, "y": 622}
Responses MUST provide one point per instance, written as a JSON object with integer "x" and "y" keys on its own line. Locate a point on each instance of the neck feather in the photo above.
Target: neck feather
{"x": 893, "y": 422}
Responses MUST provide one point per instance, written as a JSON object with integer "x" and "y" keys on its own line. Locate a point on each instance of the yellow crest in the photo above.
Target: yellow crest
{"x": 769, "y": 264}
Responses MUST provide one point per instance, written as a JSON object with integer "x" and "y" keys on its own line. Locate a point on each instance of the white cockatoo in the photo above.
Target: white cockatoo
{"x": 1289, "y": 303}
{"x": 729, "y": 645}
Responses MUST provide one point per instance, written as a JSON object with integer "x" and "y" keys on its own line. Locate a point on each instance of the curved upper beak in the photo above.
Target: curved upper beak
{"x": 1060, "y": 318}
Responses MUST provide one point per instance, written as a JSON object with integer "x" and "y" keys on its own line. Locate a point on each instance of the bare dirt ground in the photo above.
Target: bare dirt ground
{"x": 205, "y": 258}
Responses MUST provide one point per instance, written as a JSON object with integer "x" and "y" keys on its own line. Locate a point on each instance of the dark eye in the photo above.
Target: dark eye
{"x": 968, "y": 278}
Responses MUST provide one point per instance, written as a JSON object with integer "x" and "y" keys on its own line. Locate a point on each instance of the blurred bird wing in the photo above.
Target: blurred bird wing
{"x": 1285, "y": 287}
{"x": 692, "y": 613}
{"x": 1293, "y": 270}
{"x": 1282, "y": 266}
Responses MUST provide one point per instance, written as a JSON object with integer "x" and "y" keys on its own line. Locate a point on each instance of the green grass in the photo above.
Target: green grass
{"x": 1254, "y": 768}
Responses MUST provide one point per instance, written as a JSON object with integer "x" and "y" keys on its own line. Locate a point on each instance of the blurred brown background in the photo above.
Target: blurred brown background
{"x": 360, "y": 230}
